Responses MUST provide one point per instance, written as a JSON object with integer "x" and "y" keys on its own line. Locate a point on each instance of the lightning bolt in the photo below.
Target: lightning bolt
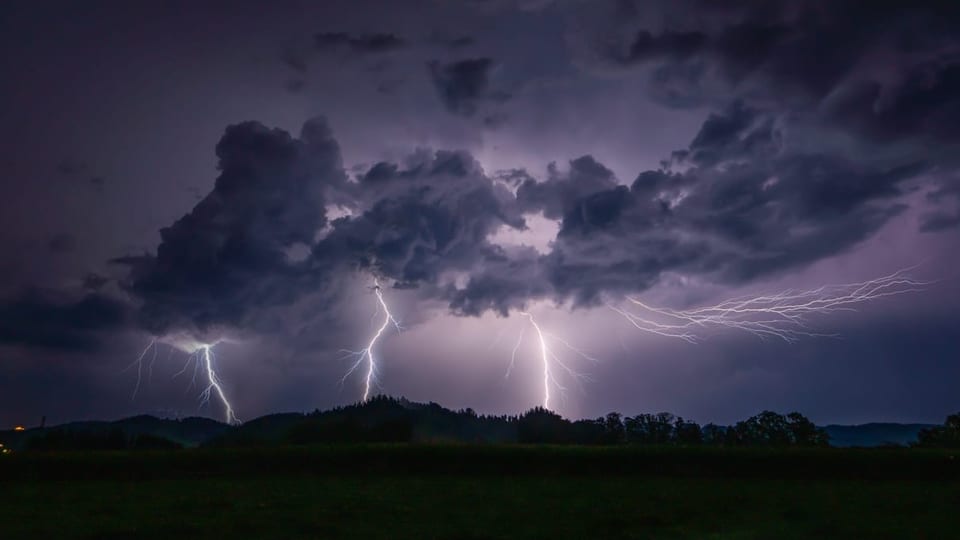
{"x": 781, "y": 315}
{"x": 139, "y": 363}
{"x": 205, "y": 352}
{"x": 549, "y": 359}
{"x": 367, "y": 353}
{"x": 201, "y": 355}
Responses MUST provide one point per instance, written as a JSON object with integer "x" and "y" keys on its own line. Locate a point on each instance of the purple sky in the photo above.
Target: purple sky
{"x": 480, "y": 158}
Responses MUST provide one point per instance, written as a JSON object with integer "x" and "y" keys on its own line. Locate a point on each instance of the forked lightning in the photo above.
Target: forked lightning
{"x": 367, "y": 353}
{"x": 548, "y": 358}
{"x": 202, "y": 356}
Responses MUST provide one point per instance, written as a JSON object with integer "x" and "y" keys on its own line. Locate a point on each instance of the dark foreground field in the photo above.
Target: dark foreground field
{"x": 482, "y": 492}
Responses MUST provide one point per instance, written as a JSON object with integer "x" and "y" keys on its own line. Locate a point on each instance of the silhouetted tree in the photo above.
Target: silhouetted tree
{"x": 945, "y": 436}
{"x": 539, "y": 425}
{"x": 771, "y": 429}
{"x": 686, "y": 433}
{"x": 803, "y": 432}
{"x": 713, "y": 434}
{"x": 650, "y": 428}
{"x": 613, "y": 429}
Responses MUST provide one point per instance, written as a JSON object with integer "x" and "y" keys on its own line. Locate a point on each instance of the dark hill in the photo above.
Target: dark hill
{"x": 875, "y": 434}
{"x": 187, "y": 432}
{"x": 385, "y": 419}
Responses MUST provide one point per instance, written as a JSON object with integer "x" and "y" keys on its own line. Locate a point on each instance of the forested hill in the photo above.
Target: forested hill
{"x": 385, "y": 419}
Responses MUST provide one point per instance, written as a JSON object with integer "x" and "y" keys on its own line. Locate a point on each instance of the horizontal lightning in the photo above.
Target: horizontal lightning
{"x": 781, "y": 315}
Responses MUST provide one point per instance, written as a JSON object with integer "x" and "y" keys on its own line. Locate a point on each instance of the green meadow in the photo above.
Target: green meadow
{"x": 476, "y": 491}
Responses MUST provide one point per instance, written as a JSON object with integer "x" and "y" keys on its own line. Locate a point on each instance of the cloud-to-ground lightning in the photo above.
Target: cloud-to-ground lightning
{"x": 206, "y": 351}
{"x": 548, "y": 358}
{"x": 783, "y": 315}
{"x": 203, "y": 357}
{"x": 367, "y": 353}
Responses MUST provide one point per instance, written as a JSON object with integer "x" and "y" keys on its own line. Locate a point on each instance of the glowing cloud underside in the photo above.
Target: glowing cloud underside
{"x": 367, "y": 354}
{"x": 782, "y": 315}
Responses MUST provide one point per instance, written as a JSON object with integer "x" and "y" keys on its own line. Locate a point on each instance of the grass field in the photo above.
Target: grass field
{"x": 473, "y": 492}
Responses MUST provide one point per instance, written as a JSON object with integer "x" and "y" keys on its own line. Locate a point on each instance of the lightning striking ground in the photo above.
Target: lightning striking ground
{"x": 206, "y": 352}
{"x": 201, "y": 354}
{"x": 549, "y": 359}
{"x": 783, "y": 315}
{"x": 367, "y": 353}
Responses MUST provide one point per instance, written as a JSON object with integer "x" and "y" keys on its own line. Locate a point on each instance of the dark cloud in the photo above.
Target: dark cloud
{"x": 453, "y": 43}
{"x": 556, "y": 195}
{"x": 94, "y": 282}
{"x": 389, "y": 87}
{"x": 924, "y": 103}
{"x": 945, "y": 217}
{"x": 62, "y": 243}
{"x": 415, "y": 224}
{"x": 886, "y": 78}
{"x": 429, "y": 216}
{"x": 938, "y": 221}
{"x": 295, "y": 59}
{"x": 71, "y": 167}
{"x": 886, "y": 72}
{"x": 513, "y": 177}
{"x": 37, "y": 318}
{"x": 363, "y": 44}
{"x": 734, "y": 205}
{"x": 295, "y": 86}
{"x": 226, "y": 259}
{"x": 504, "y": 279}
{"x": 743, "y": 207}
{"x": 465, "y": 84}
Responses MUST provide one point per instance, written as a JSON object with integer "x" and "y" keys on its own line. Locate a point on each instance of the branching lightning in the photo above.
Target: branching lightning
{"x": 781, "y": 315}
{"x": 206, "y": 352}
{"x": 139, "y": 363}
{"x": 202, "y": 356}
{"x": 366, "y": 355}
{"x": 549, "y": 359}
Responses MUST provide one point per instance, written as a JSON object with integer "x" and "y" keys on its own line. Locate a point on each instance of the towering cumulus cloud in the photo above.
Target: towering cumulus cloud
{"x": 740, "y": 201}
{"x": 228, "y": 257}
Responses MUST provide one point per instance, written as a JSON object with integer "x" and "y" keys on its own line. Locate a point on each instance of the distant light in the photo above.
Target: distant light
{"x": 19, "y": 428}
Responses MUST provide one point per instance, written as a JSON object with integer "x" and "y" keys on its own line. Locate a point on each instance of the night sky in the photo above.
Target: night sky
{"x": 241, "y": 172}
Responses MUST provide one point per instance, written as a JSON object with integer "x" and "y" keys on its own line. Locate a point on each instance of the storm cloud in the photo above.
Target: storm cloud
{"x": 476, "y": 159}
{"x": 48, "y": 319}
{"x": 363, "y": 44}
{"x": 465, "y": 84}
{"x": 227, "y": 258}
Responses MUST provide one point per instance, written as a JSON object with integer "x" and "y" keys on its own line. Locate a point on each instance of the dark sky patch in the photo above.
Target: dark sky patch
{"x": 62, "y": 243}
{"x": 36, "y": 318}
{"x": 362, "y": 44}
{"x": 465, "y": 84}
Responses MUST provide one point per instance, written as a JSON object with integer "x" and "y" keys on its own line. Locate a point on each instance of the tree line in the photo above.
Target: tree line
{"x": 385, "y": 419}
{"x": 765, "y": 429}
